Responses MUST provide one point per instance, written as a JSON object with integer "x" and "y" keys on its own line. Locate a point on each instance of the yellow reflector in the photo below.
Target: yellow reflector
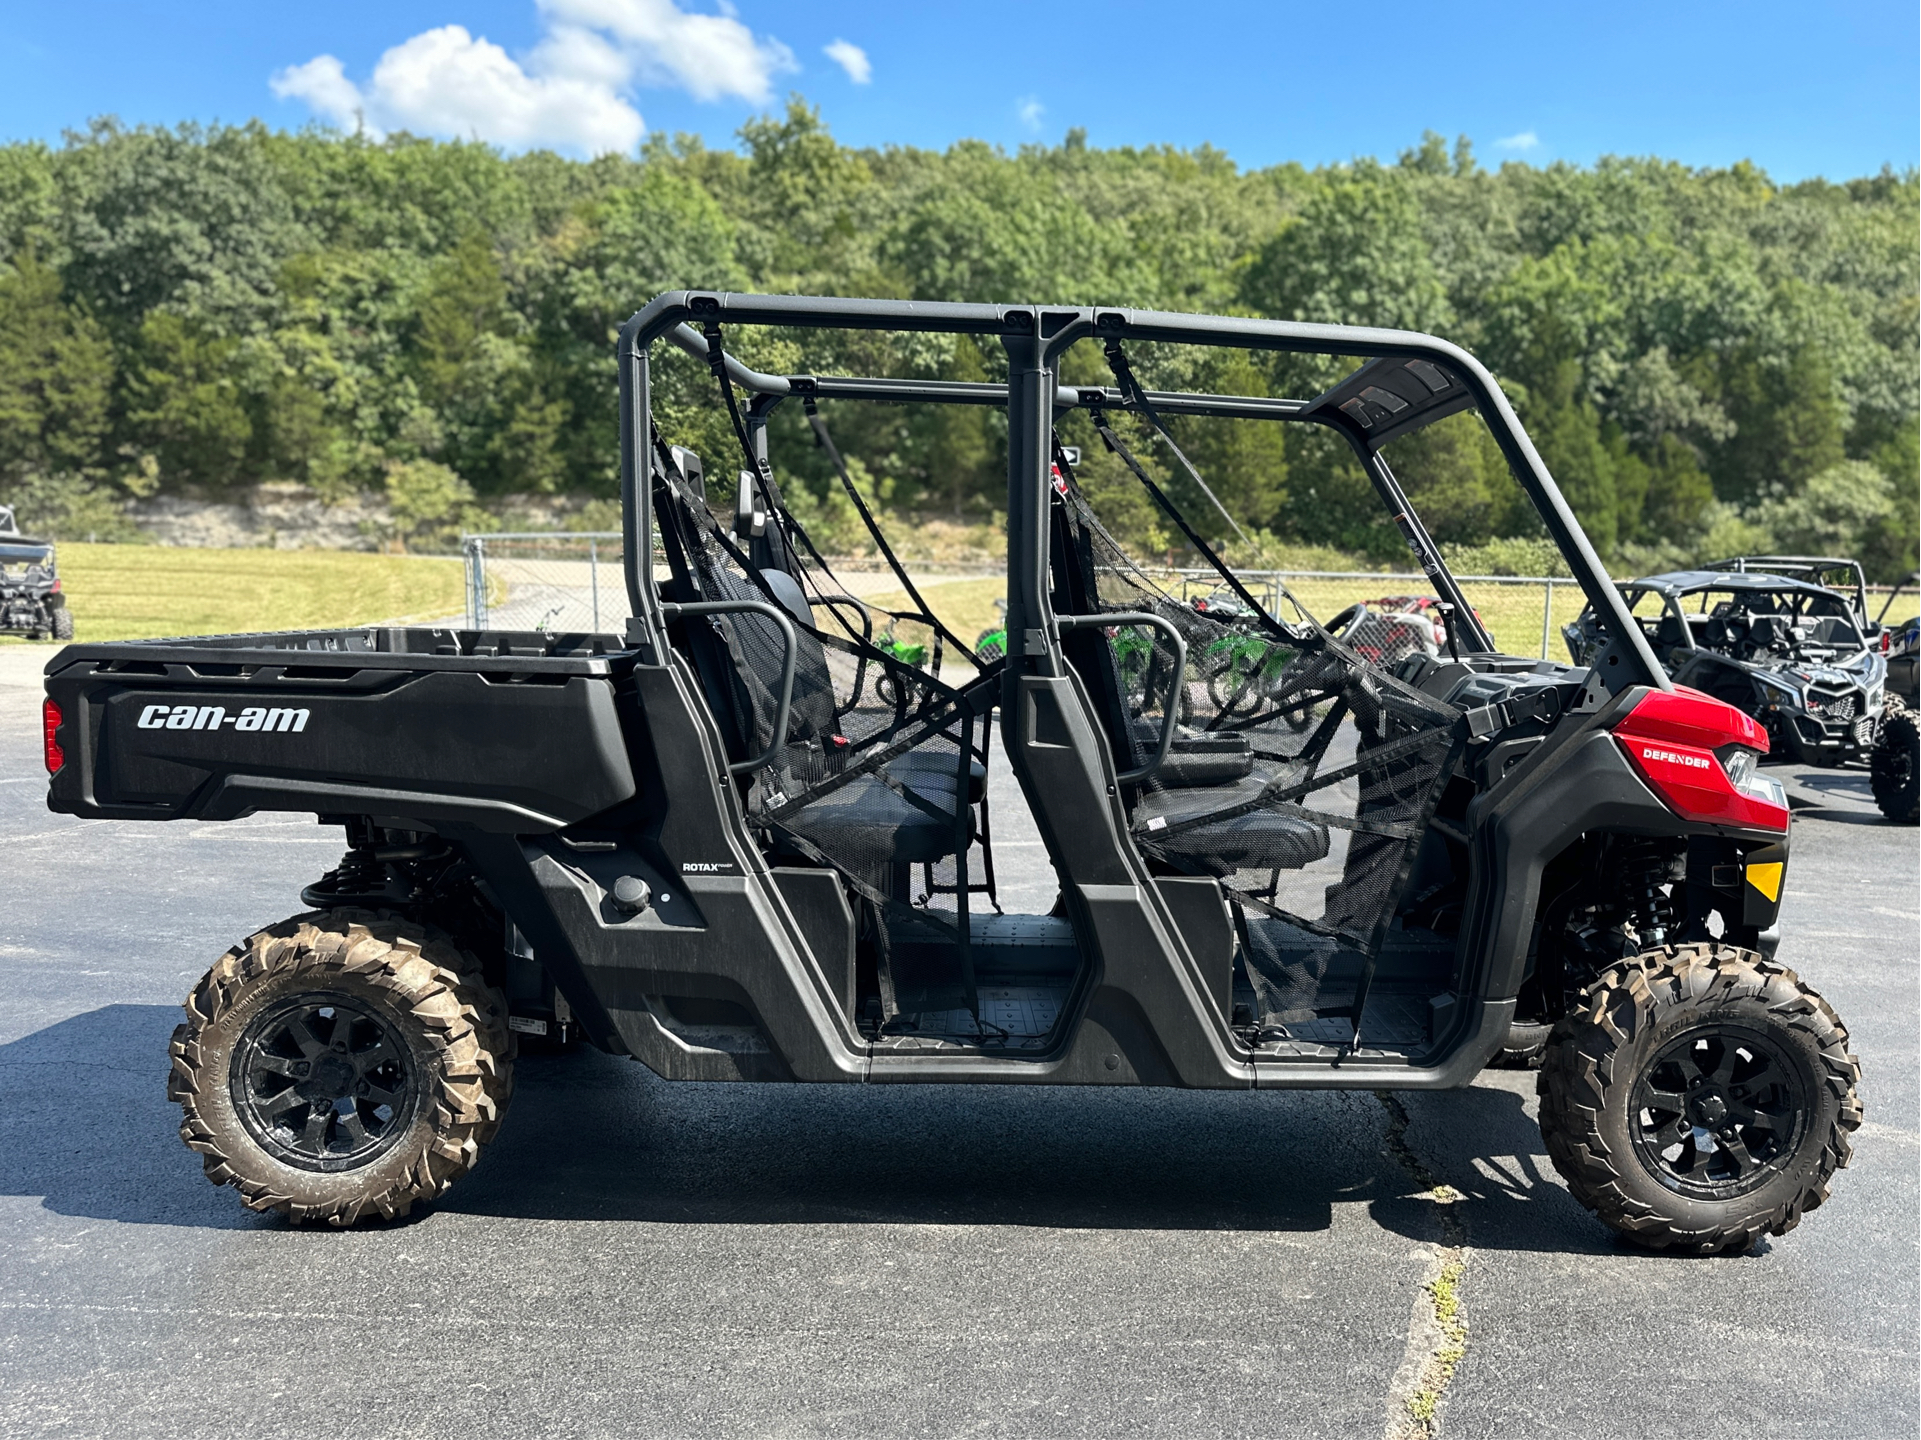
{"x": 1767, "y": 878}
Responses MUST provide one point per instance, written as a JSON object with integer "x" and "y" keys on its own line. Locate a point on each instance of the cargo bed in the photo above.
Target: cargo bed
{"x": 512, "y": 732}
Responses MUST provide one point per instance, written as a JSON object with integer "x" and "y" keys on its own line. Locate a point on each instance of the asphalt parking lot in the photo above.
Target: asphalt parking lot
{"x": 635, "y": 1258}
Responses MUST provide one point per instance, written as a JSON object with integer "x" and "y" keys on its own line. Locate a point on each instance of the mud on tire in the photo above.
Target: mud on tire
{"x": 341, "y": 1064}
{"x": 1699, "y": 1097}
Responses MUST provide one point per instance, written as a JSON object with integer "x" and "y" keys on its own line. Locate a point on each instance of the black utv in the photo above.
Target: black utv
{"x": 1790, "y": 652}
{"x": 31, "y": 603}
{"x": 718, "y": 843}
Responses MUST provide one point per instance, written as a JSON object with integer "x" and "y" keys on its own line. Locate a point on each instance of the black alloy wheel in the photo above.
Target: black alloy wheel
{"x": 1699, "y": 1096}
{"x": 1717, "y": 1113}
{"x": 322, "y": 1082}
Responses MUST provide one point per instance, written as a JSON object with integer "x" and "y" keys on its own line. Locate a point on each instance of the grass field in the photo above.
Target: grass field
{"x": 124, "y": 592}
{"x": 131, "y": 592}
{"x": 1511, "y": 612}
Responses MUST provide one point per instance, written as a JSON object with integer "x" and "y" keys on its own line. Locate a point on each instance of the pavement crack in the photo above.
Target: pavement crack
{"x": 1437, "y": 1327}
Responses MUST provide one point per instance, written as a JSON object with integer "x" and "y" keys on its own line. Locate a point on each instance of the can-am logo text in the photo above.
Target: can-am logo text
{"x": 1694, "y": 762}
{"x": 215, "y": 717}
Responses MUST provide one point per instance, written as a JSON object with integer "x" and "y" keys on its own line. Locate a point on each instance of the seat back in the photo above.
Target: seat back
{"x": 740, "y": 659}
{"x": 1075, "y": 592}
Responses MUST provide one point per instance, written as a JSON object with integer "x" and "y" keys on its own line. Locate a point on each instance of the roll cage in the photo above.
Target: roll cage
{"x": 1407, "y": 380}
{"x": 1803, "y": 599}
{"x": 1814, "y": 569}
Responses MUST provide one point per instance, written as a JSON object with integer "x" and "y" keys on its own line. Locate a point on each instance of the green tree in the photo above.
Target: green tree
{"x": 56, "y": 374}
{"x": 1355, "y": 255}
{"x": 185, "y": 402}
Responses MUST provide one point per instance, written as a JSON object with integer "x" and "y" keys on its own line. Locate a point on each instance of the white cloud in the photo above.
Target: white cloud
{"x": 1031, "y": 112}
{"x": 1526, "y": 140}
{"x": 707, "y": 55}
{"x": 572, "y": 91}
{"x": 323, "y": 84}
{"x": 852, "y": 59}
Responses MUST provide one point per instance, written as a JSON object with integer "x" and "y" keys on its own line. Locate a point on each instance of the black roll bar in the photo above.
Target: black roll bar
{"x": 1036, "y": 337}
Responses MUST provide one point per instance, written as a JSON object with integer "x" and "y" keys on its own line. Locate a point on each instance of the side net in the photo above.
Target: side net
{"x": 881, "y": 774}
{"x": 1302, "y": 775}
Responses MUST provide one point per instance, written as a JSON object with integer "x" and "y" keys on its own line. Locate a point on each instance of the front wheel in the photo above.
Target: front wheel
{"x": 1894, "y": 767}
{"x": 1699, "y": 1097}
{"x": 341, "y": 1064}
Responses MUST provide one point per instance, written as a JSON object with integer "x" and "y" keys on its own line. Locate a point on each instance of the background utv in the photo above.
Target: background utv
{"x": 720, "y": 844}
{"x": 31, "y": 602}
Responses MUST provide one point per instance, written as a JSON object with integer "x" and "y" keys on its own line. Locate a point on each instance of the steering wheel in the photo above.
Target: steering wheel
{"x": 1343, "y": 622}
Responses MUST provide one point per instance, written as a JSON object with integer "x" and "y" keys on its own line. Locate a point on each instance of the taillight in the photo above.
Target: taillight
{"x": 54, "y": 589}
{"x": 1677, "y": 741}
{"x": 50, "y": 725}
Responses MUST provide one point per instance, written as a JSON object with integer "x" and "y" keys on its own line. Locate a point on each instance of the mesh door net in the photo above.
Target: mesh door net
{"x": 881, "y": 774}
{"x": 1303, "y": 774}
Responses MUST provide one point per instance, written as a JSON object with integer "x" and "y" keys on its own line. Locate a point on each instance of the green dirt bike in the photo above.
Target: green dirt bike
{"x": 1243, "y": 669}
{"x": 893, "y": 686}
{"x": 1142, "y": 676}
{"x": 991, "y": 644}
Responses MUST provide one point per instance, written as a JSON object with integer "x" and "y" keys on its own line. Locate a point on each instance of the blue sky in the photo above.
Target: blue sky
{"x": 1801, "y": 90}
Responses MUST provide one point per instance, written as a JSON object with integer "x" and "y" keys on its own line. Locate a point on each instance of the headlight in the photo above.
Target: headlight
{"x": 1742, "y": 767}
{"x": 1779, "y": 690}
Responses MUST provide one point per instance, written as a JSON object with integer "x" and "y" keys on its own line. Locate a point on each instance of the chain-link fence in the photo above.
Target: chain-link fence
{"x": 572, "y": 581}
{"x": 1524, "y": 613}
{"x": 538, "y": 580}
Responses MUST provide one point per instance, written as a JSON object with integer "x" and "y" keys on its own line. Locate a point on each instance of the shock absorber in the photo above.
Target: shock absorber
{"x": 1645, "y": 866}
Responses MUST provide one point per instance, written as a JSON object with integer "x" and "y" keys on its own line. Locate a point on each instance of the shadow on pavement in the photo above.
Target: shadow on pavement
{"x": 595, "y": 1138}
{"x": 1842, "y": 817}
{"x": 1854, "y": 784}
{"x": 1483, "y": 1142}
{"x": 86, "y": 1126}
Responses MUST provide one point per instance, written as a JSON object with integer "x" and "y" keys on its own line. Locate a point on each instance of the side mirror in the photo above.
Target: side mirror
{"x": 750, "y": 521}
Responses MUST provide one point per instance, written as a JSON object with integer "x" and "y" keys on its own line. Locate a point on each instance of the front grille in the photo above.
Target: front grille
{"x": 1834, "y": 707}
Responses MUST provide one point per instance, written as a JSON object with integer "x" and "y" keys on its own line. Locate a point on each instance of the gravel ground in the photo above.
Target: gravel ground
{"x": 639, "y": 1258}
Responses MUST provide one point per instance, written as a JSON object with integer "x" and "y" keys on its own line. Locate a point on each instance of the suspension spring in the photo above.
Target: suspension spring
{"x": 1644, "y": 869}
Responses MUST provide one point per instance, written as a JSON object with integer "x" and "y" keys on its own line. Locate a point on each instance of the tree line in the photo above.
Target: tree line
{"x": 1706, "y": 359}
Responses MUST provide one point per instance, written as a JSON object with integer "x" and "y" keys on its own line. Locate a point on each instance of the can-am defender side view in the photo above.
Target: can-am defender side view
{"x": 31, "y": 602}
{"x": 717, "y": 844}
{"x": 1789, "y": 652}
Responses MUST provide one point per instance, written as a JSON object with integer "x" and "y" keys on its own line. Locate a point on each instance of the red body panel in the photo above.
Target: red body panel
{"x": 1671, "y": 738}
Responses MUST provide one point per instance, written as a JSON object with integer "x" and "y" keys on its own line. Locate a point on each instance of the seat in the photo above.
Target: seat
{"x": 864, "y": 823}
{"x": 868, "y": 816}
{"x": 1257, "y": 839}
{"x": 1205, "y": 773}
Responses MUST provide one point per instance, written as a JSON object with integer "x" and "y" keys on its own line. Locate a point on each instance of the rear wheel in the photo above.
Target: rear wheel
{"x": 1894, "y": 767}
{"x": 341, "y": 1064}
{"x": 1698, "y": 1098}
{"x": 62, "y": 623}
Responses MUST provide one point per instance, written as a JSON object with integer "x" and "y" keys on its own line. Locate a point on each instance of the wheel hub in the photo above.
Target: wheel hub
{"x": 1717, "y": 1112}
{"x": 323, "y": 1082}
{"x": 1708, "y": 1110}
